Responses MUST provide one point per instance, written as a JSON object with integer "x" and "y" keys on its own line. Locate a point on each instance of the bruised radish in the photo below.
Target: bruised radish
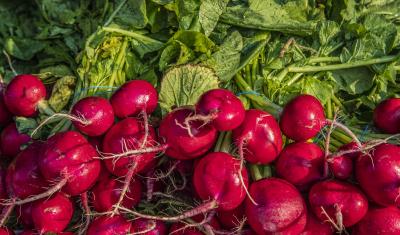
{"x": 341, "y": 203}
{"x": 302, "y": 118}
{"x": 231, "y": 219}
{"x": 108, "y": 190}
{"x": 383, "y": 221}
{"x": 24, "y": 170}
{"x": 342, "y": 166}
{"x": 182, "y": 229}
{"x": 301, "y": 164}
{"x": 387, "y": 115}
{"x": 93, "y": 116}
{"x": 316, "y": 227}
{"x": 149, "y": 227}
{"x": 259, "y": 137}
{"x": 133, "y": 98}
{"x": 216, "y": 177}
{"x": 280, "y": 209}
{"x": 5, "y": 115}
{"x": 377, "y": 173}
{"x": 6, "y": 231}
{"x": 52, "y": 214}
{"x": 180, "y": 145}
{"x": 220, "y": 107}
{"x": 24, "y": 213}
{"x": 106, "y": 225}
{"x": 69, "y": 156}
{"x": 11, "y": 140}
{"x": 23, "y": 95}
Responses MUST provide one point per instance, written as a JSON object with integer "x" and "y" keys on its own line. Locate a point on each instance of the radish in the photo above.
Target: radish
{"x": 105, "y": 225}
{"x": 383, "y": 221}
{"x": 220, "y": 184}
{"x": 149, "y": 227}
{"x": 24, "y": 94}
{"x": 11, "y": 140}
{"x": 28, "y": 232}
{"x": 340, "y": 203}
{"x": 108, "y": 190}
{"x": 182, "y": 229}
{"x": 301, "y": 164}
{"x": 180, "y": 145}
{"x": 221, "y": 108}
{"x": 342, "y": 166}
{"x": 3, "y": 184}
{"x": 258, "y": 137}
{"x": 6, "y": 231}
{"x": 134, "y": 97}
{"x": 53, "y": 214}
{"x": 24, "y": 213}
{"x": 5, "y": 115}
{"x": 387, "y": 115}
{"x": 378, "y": 174}
{"x": 315, "y": 227}
{"x": 280, "y": 208}
{"x": 232, "y": 218}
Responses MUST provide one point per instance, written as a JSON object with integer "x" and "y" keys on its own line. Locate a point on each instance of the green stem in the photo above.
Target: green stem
{"x": 44, "y": 107}
{"x": 255, "y": 172}
{"x": 134, "y": 35}
{"x": 314, "y": 60}
{"x": 307, "y": 69}
{"x": 118, "y": 64}
{"x": 226, "y": 143}
{"x": 219, "y": 141}
{"x": 329, "y": 109}
{"x": 248, "y": 75}
{"x": 115, "y": 13}
{"x": 339, "y": 135}
{"x": 397, "y": 67}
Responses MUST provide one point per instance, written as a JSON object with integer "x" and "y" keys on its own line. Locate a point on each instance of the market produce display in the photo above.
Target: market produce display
{"x": 200, "y": 117}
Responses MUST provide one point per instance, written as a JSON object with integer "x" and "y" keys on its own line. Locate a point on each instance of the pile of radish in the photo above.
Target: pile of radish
{"x": 112, "y": 172}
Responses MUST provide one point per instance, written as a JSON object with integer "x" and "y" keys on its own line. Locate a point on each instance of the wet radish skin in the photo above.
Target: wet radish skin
{"x": 106, "y": 225}
{"x": 316, "y": 227}
{"x": 261, "y": 137}
{"x": 23, "y": 94}
{"x": 384, "y": 221}
{"x": 11, "y": 140}
{"x": 387, "y": 116}
{"x": 231, "y": 219}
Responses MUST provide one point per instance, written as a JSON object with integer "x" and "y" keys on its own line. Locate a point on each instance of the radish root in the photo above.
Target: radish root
{"x": 196, "y": 117}
{"x": 86, "y": 208}
{"x": 148, "y": 229}
{"x": 241, "y": 156}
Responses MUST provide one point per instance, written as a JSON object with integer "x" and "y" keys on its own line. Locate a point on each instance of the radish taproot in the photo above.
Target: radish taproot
{"x": 377, "y": 172}
{"x": 316, "y": 227}
{"x": 24, "y": 94}
{"x": 52, "y": 214}
{"x": 384, "y": 221}
{"x": 106, "y": 225}
{"x": 301, "y": 164}
{"x": 280, "y": 208}
{"x": 387, "y": 115}
{"x": 11, "y": 140}
{"x": 340, "y": 203}
{"x": 258, "y": 137}
{"x": 149, "y": 227}
{"x": 133, "y": 98}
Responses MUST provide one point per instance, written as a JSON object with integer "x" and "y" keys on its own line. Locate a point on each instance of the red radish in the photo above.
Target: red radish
{"x": 220, "y": 107}
{"x": 53, "y": 214}
{"x": 248, "y": 232}
{"x": 97, "y": 113}
{"x": 5, "y": 115}
{"x": 231, "y": 219}
{"x": 259, "y": 137}
{"x": 209, "y": 219}
{"x": 180, "y": 145}
{"x": 387, "y": 115}
{"x": 315, "y": 227}
{"x": 280, "y": 209}
{"x": 378, "y": 174}
{"x": 221, "y": 184}
{"x": 106, "y": 225}
{"x": 301, "y": 164}
{"x": 6, "y": 231}
{"x": 108, "y": 190}
{"x": 3, "y": 184}
{"x": 24, "y": 94}
{"x": 342, "y": 166}
{"x": 133, "y": 98}
{"x": 384, "y": 221}
{"x": 182, "y": 229}
{"x": 11, "y": 140}
{"x": 24, "y": 213}
{"x": 23, "y": 175}
{"x": 28, "y": 232}
{"x": 96, "y": 142}
{"x": 149, "y": 227}
{"x": 338, "y": 202}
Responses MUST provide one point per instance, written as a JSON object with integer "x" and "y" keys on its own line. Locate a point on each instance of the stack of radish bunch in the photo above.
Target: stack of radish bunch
{"x": 97, "y": 168}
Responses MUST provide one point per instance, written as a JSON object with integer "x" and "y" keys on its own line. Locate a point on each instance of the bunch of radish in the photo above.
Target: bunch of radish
{"x": 118, "y": 171}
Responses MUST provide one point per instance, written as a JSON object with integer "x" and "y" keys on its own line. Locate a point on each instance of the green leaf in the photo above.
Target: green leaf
{"x": 132, "y": 14}
{"x": 25, "y": 125}
{"x": 183, "y": 85}
{"x": 62, "y": 92}
{"x": 23, "y": 48}
{"x": 187, "y": 13}
{"x": 209, "y": 13}
{"x": 354, "y": 81}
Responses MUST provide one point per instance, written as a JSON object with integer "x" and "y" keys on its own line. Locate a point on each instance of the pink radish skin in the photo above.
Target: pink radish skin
{"x": 106, "y": 225}
{"x": 315, "y": 227}
{"x": 231, "y": 219}
{"x": 53, "y": 214}
{"x": 342, "y": 166}
{"x": 222, "y": 184}
{"x": 107, "y": 192}
{"x": 5, "y": 115}
{"x": 133, "y": 98}
{"x": 338, "y": 197}
{"x": 23, "y": 95}
{"x": 226, "y": 110}
{"x": 69, "y": 155}
{"x": 6, "y": 231}
{"x": 153, "y": 227}
{"x": 302, "y": 118}
{"x": 387, "y": 116}
{"x": 97, "y": 112}
{"x": 180, "y": 145}
{"x": 25, "y": 215}
{"x": 24, "y": 171}
{"x": 179, "y": 229}
{"x": 31, "y": 232}
{"x": 11, "y": 140}
{"x": 280, "y": 209}
{"x": 260, "y": 136}
{"x": 383, "y": 221}
{"x": 378, "y": 174}
{"x": 301, "y": 164}
{"x": 131, "y": 131}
